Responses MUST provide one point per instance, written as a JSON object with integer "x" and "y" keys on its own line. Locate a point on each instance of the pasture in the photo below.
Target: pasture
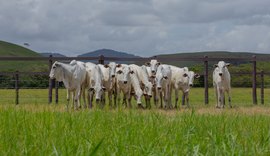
{"x": 36, "y": 128}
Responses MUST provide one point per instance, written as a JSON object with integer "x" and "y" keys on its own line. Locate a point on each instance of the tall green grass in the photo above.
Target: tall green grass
{"x": 131, "y": 132}
{"x": 35, "y": 128}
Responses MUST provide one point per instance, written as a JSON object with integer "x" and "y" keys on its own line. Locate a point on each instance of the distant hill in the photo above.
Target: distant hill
{"x": 110, "y": 53}
{"x": 210, "y": 54}
{"x": 53, "y": 54}
{"x": 10, "y": 49}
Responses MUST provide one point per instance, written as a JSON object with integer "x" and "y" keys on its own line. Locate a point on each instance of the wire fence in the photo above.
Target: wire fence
{"x": 256, "y": 79}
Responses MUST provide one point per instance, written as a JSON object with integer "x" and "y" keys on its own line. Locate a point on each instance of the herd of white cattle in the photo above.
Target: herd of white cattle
{"x": 122, "y": 82}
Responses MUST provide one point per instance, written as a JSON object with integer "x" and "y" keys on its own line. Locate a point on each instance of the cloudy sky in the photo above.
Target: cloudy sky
{"x": 141, "y": 27}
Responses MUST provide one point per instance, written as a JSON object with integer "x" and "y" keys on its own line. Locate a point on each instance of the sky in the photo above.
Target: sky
{"x": 140, "y": 27}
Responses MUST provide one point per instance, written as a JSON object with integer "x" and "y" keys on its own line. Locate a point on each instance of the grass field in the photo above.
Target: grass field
{"x": 36, "y": 128}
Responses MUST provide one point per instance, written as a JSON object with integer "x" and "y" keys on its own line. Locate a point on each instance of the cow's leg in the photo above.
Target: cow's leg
{"x": 77, "y": 98}
{"x": 68, "y": 98}
{"x": 219, "y": 97}
{"x": 161, "y": 99}
{"x": 223, "y": 99}
{"x": 147, "y": 100}
{"x": 169, "y": 96}
{"x": 83, "y": 96}
{"x": 91, "y": 96}
{"x": 187, "y": 98}
{"x": 124, "y": 103}
{"x": 165, "y": 100}
{"x": 155, "y": 94}
{"x": 129, "y": 99}
{"x": 183, "y": 98}
{"x": 216, "y": 94}
{"x": 110, "y": 98}
{"x": 176, "y": 97}
{"x": 118, "y": 97}
{"x": 229, "y": 97}
{"x": 115, "y": 92}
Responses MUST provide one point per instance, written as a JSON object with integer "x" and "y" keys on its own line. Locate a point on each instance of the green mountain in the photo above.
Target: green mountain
{"x": 10, "y": 49}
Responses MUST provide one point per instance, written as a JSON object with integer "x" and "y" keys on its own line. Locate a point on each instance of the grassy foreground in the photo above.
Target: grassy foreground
{"x": 50, "y": 130}
{"x": 42, "y": 129}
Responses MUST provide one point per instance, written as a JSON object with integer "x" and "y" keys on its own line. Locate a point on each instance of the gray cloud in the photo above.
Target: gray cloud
{"x": 143, "y": 27}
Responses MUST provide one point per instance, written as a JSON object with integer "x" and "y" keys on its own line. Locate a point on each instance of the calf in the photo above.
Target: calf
{"x": 151, "y": 70}
{"x": 178, "y": 80}
{"x": 123, "y": 84}
{"x": 163, "y": 85}
{"x": 94, "y": 83}
{"x": 222, "y": 83}
{"x": 188, "y": 83}
{"x": 146, "y": 85}
{"x": 108, "y": 72}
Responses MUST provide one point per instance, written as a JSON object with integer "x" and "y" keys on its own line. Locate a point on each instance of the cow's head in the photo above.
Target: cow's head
{"x": 191, "y": 76}
{"x": 153, "y": 64}
{"x": 148, "y": 89}
{"x": 123, "y": 73}
{"x": 160, "y": 77}
{"x": 221, "y": 67}
{"x": 98, "y": 90}
{"x": 112, "y": 68}
{"x": 56, "y": 71}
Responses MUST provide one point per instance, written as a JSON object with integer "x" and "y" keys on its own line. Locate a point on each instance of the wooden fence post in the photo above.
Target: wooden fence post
{"x": 254, "y": 74}
{"x": 206, "y": 100}
{"x": 17, "y": 87}
{"x": 101, "y": 59}
{"x": 50, "y": 81}
{"x": 262, "y": 87}
{"x": 56, "y": 91}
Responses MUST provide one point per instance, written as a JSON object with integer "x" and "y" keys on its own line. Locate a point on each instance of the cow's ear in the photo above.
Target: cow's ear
{"x": 118, "y": 65}
{"x": 147, "y": 64}
{"x": 197, "y": 75}
{"x": 106, "y": 65}
{"x": 215, "y": 65}
{"x": 119, "y": 71}
{"x": 228, "y": 64}
{"x": 56, "y": 64}
{"x": 185, "y": 69}
{"x": 185, "y": 75}
{"x": 131, "y": 72}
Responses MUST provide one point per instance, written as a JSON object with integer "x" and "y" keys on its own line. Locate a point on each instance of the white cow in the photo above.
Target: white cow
{"x": 108, "y": 72}
{"x": 146, "y": 85}
{"x": 163, "y": 84}
{"x": 187, "y": 86}
{"x": 151, "y": 70}
{"x": 94, "y": 83}
{"x": 178, "y": 80}
{"x": 127, "y": 82}
{"x": 123, "y": 84}
{"x": 73, "y": 77}
{"x": 222, "y": 83}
